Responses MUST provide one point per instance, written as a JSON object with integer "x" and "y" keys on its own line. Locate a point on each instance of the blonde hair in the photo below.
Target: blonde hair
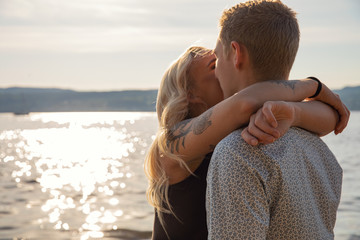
{"x": 172, "y": 107}
{"x": 269, "y": 31}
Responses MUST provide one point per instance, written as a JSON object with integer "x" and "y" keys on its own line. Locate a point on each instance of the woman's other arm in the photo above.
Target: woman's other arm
{"x": 275, "y": 118}
{"x": 194, "y": 138}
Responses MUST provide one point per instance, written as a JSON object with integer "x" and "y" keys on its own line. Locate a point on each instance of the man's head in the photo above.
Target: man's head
{"x": 266, "y": 34}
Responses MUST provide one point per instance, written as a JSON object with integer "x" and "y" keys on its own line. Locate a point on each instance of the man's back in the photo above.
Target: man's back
{"x": 286, "y": 190}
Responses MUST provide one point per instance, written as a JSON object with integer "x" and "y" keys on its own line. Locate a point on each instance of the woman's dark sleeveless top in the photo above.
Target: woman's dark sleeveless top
{"x": 187, "y": 199}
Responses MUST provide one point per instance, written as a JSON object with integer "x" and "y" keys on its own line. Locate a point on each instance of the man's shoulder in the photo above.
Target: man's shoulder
{"x": 297, "y": 144}
{"x": 297, "y": 136}
{"x": 299, "y": 132}
{"x": 235, "y": 138}
{"x": 294, "y": 138}
{"x": 232, "y": 141}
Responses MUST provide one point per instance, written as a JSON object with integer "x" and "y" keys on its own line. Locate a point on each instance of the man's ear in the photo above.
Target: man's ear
{"x": 238, "y": 55}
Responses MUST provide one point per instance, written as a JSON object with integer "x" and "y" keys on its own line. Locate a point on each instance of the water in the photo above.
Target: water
{"x": 74, "y": 175}
{"x": 80, "y": 176}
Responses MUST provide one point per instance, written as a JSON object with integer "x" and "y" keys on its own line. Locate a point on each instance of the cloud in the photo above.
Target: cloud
{"x": 104, "y": 25}
{"x": 97, "y": 39}
{"x": 140, "y": 25}
{"x": 102, "y": 12}
{"x": 108, "y": 39}
{"x": 76, "y": 12}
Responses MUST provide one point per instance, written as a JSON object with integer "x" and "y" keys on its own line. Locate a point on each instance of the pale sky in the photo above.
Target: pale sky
{"x": 102, "y": 45}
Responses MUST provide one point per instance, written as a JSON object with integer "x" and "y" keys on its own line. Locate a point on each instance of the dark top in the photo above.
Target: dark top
{"x": 187, "y": 199}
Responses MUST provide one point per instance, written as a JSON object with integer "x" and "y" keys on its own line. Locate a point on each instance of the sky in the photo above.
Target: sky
{"x": 105, "y": 45}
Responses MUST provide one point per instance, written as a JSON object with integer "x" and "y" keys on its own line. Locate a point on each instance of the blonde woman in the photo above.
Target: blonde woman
{"x": 193, "y": 118}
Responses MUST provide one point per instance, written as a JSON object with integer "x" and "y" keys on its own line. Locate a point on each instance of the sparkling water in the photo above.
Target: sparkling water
{"x": 80, "y": 176}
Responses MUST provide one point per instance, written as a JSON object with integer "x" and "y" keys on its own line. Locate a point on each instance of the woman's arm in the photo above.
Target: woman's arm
{"x": 275, "y": 118}
{"x": 315, "y": 117}
{"x": 192, "y": 139}
{"x": 333, "y": 100}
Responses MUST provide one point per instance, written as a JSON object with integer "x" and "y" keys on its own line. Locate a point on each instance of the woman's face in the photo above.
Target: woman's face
{"x": 205, "y": 86}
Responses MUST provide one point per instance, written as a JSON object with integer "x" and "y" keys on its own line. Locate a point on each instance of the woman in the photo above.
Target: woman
{"x": 190, "y": 127}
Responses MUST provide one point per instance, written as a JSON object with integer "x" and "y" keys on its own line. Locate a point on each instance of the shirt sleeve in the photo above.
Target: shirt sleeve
{"x": 236, "y": 202}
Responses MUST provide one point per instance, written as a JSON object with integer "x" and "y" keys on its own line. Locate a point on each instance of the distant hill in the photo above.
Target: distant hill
{"x": 350, "y": 96}
{"x": 25, "y": 100}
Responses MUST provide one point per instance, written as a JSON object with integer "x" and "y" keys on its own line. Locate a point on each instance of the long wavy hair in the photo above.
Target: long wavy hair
{"x": 172, "y": 107}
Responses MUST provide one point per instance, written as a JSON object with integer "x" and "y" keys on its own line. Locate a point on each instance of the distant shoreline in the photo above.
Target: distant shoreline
{"x": 22, "y": 101}
{"x": 25, "y": 100}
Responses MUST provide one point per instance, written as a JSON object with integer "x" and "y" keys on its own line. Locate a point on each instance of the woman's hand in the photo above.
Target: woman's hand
{"x": 329, "y": 97}
{"x": 269, "y": 123}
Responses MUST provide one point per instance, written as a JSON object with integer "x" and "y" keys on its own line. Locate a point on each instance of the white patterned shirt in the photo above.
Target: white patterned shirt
{"x": 286, "y": 190}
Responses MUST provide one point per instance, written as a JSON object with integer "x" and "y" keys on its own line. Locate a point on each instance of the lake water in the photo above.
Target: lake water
{"x": 80, "y": 176}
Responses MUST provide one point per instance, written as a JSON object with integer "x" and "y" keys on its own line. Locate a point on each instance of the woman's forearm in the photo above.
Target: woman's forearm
{"x": 196, "y": 137}
{"x": 278, "y": 90}
{"x": 253, "y": 97}
{"x": 315, "y": 117}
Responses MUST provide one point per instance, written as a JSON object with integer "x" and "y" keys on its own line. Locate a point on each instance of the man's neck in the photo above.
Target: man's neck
{"x": 245, "y": 79}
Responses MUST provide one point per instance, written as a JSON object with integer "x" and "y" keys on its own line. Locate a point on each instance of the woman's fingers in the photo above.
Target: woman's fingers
{"x": 344, "y": 116}
{"x": 261, "y": 129}
{"x": 269, "y": 116}
{"x": 334, "y": 100}
{"x": 249, "y": 138}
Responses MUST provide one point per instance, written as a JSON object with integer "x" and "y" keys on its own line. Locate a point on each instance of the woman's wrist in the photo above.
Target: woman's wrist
{"x": 319, "y": 87}
{"x": 296, "y": 116}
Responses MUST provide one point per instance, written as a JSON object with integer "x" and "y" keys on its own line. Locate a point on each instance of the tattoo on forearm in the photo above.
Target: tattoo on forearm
{"x": 286, "y": 83}
{"x": 178, "y": 134}
{"x": 202, "y": 123}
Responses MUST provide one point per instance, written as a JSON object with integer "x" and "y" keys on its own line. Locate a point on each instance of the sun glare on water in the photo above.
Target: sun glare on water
{"x": 82, "y": 165}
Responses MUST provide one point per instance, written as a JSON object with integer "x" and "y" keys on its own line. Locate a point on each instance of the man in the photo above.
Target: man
{"x": 289, "y": 189}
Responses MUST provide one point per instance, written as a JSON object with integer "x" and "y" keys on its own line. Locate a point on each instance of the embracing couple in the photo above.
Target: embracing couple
{"x": 238, "y": 154}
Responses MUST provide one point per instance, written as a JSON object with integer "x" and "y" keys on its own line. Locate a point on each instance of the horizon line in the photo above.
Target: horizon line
{"x": 114, "y": 90}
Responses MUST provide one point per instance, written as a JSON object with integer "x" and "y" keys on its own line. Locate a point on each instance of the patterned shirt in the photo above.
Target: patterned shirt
{"x": 286, "y": 190}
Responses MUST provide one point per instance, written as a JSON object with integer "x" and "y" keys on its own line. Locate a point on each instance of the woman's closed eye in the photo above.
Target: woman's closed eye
{"x": 212, "y": 63}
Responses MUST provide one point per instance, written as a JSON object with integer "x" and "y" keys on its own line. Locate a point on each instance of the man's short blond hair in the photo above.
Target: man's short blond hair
{"x": 269, "y": 31}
